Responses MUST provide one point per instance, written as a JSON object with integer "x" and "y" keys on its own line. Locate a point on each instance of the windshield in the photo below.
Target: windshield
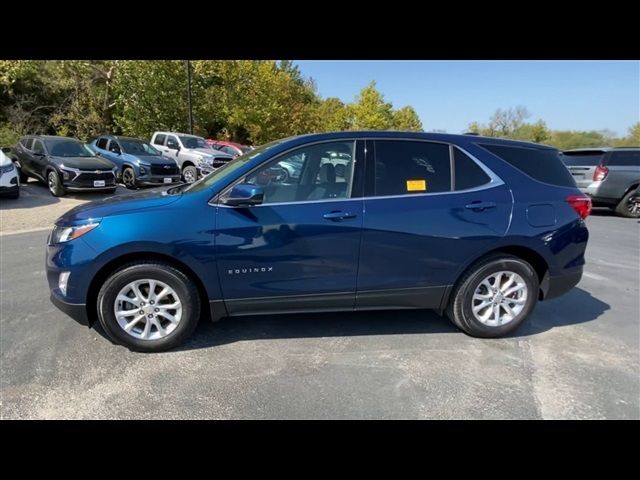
{"x": 194, "y": 142}
{"x": 137, "y": 147}
{"x": 586, "y": 159}
{"x": 227, "y": 169}
{"x": 68, "y": 148}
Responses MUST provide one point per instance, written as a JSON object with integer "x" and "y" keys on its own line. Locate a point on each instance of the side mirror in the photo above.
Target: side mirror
{"x": 244, "y": 195}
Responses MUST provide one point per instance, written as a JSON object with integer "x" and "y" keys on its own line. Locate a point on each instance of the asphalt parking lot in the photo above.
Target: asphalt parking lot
{"x": 577, "y": 356}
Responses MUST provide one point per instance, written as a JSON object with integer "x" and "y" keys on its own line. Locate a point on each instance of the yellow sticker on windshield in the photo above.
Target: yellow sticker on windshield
{"x": 416, "y": 185}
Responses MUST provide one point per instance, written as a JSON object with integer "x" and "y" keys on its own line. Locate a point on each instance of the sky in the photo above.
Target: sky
{"x": 449, "y": 95}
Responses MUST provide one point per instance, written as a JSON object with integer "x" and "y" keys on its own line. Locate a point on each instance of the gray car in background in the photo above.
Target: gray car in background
{"x": 610, "y": 176}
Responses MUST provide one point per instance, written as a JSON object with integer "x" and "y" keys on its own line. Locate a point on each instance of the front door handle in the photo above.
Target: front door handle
{"x": 338, "y": 216}
{"x": 480, "y": 206}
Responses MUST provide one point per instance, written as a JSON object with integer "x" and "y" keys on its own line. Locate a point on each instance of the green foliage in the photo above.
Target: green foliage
{"x": 8, "y": 135}
{"x": 333, "y": 116}
{"x": 370, "y": 111}
{"x": 406, "y": 119}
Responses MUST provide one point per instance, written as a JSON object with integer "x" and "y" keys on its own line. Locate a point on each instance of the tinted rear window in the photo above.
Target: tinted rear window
{"x": 630, "y": 158}
{"x": 541, "y": 164}
{"x": 582, "y": 159}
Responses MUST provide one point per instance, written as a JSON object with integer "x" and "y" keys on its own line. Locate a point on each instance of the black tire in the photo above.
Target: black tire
{"x": 178, "y": 281}
{"x": 129, "y": 178}
{"x": 190, "y": 174}
{"x": 54, "y": 183}
{"x": 624, "y": 208}
{"x": 459, "y": 310}
{"x": 24, "y": 178}
{"x": 13, "y": 195}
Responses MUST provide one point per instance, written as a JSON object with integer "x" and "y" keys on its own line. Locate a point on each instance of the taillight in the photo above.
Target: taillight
{"x": 600, "y": 173}
{"x": 581, "y": 204}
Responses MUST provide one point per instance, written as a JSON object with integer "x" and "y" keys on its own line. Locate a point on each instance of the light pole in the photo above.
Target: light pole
{"x": 188, "y": 65}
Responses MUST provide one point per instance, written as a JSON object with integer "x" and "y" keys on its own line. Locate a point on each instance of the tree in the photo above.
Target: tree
{"x": 333, "y": 116}
{"x": 406, "y": 119}
{"x": 370, "y": 111}
{"x": 506, "y": 122}
{"x": 631, "y": 140}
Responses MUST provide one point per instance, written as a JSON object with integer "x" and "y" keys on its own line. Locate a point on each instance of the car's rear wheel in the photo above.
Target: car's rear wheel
{"x": 129, "y": 178}
{"x": 148, "y": 306}
{"x": 629, "y": 206}
{"x": 55, "y": 184}
{"x": 494, "y": 297}
{"x": 190, "y": 174}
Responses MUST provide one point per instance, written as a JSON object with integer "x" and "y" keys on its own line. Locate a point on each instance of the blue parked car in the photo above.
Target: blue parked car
{"x": 479, "y": 228}
{"x": 138, "y": 162}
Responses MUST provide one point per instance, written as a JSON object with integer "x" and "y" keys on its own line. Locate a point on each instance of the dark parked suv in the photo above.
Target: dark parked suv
{"x": 64, "y": 164}
{"x": 609, "y": 176}
{"x": 479, "y": 228}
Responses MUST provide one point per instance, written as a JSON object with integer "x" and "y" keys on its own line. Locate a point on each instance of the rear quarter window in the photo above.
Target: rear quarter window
{"x": 541, "y": 164}
{"x": 624, "y": 159}
{"x": 159, "y": 140}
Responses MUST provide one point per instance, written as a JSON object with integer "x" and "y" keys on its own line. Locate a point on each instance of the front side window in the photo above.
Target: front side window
{"x": 321, "y": 171}
{"x": 114, "y": 147}
{"x": 37, "y": 147}
{"x": 172, "y": 142}
{"x": 409, "y": 167}
{"x": 102, "y": 143}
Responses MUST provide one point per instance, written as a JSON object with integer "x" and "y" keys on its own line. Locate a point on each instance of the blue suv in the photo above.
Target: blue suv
{"x": 479, "y": 228}
{"x": 138, "y": 162}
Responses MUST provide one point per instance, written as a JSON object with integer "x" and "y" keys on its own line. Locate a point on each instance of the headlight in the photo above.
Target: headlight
{"x": 208, "y": 160}
{"x": 69, "y": 173}
{"x": 65, "y": 234}
{"x": 7, "y": 168}
{"x": 142, "y": 169}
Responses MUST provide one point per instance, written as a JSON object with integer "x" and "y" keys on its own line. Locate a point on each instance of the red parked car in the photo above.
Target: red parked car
{"x": 232, "y": 148}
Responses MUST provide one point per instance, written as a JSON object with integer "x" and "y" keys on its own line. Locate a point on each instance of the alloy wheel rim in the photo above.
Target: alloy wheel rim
{"x": 634, "y": 205}
{"x": 188, "y": 176}
{"x": 52, "y": 181}
{"x": 148, "y": 309}
{"x": 499, "y": 298}
{"x": 128, "y": 178}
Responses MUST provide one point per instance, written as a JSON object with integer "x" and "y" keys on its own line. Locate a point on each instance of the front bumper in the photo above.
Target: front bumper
{"x": 158, "y": 180}
{"x": 554, "y": 286}
{"x": 9, "y": 190}
{"x": 77, "y": 311}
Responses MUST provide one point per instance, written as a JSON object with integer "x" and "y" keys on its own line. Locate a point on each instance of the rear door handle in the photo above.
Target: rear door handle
{"x": 480, "y": 206}
{"x": 338, "y": 216}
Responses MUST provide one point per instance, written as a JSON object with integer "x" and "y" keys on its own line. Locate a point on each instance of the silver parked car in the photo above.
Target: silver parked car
{"x": 192, "y": 153}
{"x": 610, "y": 176}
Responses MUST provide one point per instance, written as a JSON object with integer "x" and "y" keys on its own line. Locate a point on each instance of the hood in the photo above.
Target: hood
{"x": 149, "y": 159}
{"x": 84, "y": 163}
{"x": 117, "y": 205}
{"x": 209, "y": 151}
{"x": 4, "y": 160}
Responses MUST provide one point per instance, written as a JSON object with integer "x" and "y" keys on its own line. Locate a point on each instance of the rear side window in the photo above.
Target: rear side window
{"x": 587, "y": 159}
{"x": 26, "y": 143}
{"x": 159, "y": 140}
{"x": 541, "y": 164}
{"x": 405, "y": 167}
{"x": 102, "y": 143}
{"x": 468, "y": 173}
{"x": 625, "y": 159}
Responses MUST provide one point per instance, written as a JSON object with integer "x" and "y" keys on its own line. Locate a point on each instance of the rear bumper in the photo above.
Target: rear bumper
{"x": 77, "y": 311}
{"x": 554, "y": 286}
{"x": 9, "y": 190}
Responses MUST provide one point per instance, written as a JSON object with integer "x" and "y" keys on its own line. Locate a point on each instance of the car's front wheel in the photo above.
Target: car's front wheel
{"x": 190, "y": 174}
{"x": 148, "y": 306}
{"x": 129, "y": 178}
{"x": 55, "y": 184}
{"x": 494, "y": 297}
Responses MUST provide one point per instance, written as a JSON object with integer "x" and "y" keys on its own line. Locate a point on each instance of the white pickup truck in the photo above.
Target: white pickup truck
{"x": 192, "y": 153}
